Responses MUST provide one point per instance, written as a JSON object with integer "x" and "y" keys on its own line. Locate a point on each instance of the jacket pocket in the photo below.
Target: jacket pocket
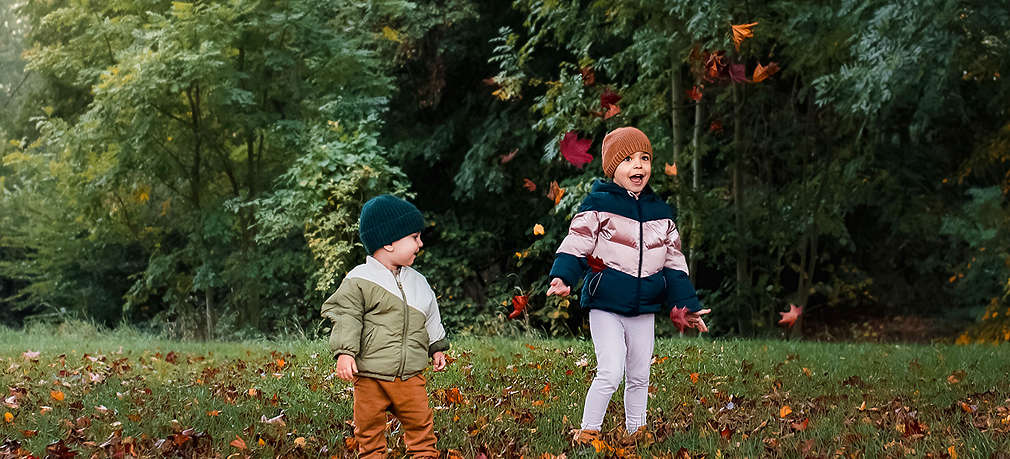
{"x": 366, "y": 342}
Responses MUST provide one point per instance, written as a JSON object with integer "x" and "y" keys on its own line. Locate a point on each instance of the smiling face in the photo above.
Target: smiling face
{"x": 402, "y": 252}
{"x": 634, "y": 171}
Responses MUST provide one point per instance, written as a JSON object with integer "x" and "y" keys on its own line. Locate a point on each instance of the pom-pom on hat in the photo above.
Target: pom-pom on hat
{"x": 621, "y": 143}
{"x": 386, "y": 219}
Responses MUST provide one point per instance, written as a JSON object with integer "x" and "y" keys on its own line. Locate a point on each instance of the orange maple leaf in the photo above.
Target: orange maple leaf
{"x": 762, "y": 73}
{"x": 741, "y": 32}
{"x": 57, "y": 395}
{"x": 611, "y": 111}
{"x": 785, "y": 411}
{"x": 788, "y": 318}
{"x": 529, "y": 185}
{"x": 670, "y": 169}
{"x": 694, "y": 378}
{"x": 238, "y": 442}
{"x": 556, "y": 192}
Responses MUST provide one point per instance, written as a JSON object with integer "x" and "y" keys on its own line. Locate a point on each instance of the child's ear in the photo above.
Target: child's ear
{"x": 388, "y": 247}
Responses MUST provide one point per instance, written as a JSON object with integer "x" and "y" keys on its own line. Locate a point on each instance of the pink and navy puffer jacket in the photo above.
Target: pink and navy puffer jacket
{"x": 638, "y": 267}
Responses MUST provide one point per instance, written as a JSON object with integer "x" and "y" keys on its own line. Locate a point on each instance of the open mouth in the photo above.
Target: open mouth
{"x": 637, "y": 179}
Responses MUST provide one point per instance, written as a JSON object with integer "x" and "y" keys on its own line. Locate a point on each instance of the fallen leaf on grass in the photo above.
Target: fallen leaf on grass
{"x": 238, "y": 442}
{"x": 956, "y": 377}
{"x": 784, "y": 411}
{"x": 8, "y": 417}
{"x": 57, "y": 395}
{"x": 801, "y": 426}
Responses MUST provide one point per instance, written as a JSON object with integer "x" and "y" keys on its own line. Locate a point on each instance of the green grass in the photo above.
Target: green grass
{"x": 505, "y": 397}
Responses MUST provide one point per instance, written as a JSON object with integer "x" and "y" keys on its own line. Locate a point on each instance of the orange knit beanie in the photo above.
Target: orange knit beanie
{"x": 621, "y": 143}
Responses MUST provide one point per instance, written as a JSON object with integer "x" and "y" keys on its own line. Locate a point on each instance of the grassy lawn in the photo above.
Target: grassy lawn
{"x": 100, "y": 394}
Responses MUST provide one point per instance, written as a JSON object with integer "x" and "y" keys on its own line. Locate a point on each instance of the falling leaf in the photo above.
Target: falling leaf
{"x": 529, "y": 185}
{"x": 509, "y": 156}
{"x": 788, "y": 318}
{"x": 391, "y": 34}
{"x": 609, "y": 98}
{"x": 670, "y": 169}
{"x": 694, "y": 94}
{"x": 741, "y": 32}
{"x": 784, "y": 411}
{"x": 595, "y": 264}
{"x": 538, "y": 230}
{"x": 762, "y": 73}
{"x": 555, "y": 193}
{"x": 715, "y": 127}
{"x": 518, "y": 305}
{"x": 694, "y": 378}
{"x": 611, "y": 111}
{"x": 238, "y": 442}
{"x": 801, "y": 426}
{"x": 575, "y": 150}
{"x": 8, "y": 417}
{"x": 738, "y": 73}
{"x": 57, "y": 395}
{"x": 715, "y": 66}
{"x": 588, "y": 76}
{"x": 679, "y": 317}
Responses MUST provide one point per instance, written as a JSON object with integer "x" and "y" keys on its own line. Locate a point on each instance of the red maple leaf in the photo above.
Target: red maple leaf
{"x": 679, "y": 318}
{"x": 788, "y": 318}
{"x": 738, "y": 73}
{"x": 694, "y": 94}
{"x": 529, "y": 185}
{"x": 518, "y": 305}
{"x": 575, "y": 149}
{"x": 595, "y": 264}
{"x": 609, "y": 98}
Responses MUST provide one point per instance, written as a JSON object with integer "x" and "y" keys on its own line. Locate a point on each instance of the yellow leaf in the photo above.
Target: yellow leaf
{"x": 785, "y": 411}
{"x": 538, "y": 230}
{"x": 8, "y": 417}
{"x": 57, "y": 395}
{"x": 391, "y": 34}
{"x": 950, "y": 450}
{"x": 862, "y": 406}
{"x": 300, "y": 442}
{"x": 261, "y": 442}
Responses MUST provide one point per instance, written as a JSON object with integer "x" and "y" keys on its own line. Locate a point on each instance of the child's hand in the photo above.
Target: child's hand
{"x": 682, "y": 318}
{"x": 558, "y": 287}
{"x": 438, "y": 361}
{"x": 346, "y": 367}
{"x": 694, "y": 320}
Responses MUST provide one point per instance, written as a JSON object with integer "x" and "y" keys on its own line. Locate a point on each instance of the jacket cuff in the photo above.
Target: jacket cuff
{"x": 441, "y": 345}
{"x": 568, "y": 268}
{"x": 680, "y": 292}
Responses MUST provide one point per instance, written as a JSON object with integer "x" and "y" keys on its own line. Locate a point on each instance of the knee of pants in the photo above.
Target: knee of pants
{"x": 608, "y": 380}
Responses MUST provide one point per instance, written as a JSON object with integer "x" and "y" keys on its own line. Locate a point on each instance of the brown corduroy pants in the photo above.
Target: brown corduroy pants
{"x": 408, "y": 401}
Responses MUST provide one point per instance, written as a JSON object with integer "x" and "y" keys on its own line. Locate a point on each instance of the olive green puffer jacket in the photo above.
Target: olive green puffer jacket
{"x": 389, "y": 323}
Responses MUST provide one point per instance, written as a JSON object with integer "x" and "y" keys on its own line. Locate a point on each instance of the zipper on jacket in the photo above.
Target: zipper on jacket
{"x": 403, "y": 336}
{"x": 641, "y": 248}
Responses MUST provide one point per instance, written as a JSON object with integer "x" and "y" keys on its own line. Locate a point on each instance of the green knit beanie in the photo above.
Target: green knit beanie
{"x": 386, "y": 219}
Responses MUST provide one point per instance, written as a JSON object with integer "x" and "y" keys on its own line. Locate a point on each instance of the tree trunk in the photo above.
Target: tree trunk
{"x": 695, "y": 179}
{"x": 676, "y": 99}
{"x": 209, "y": 307}
{"x": 742, "y": 275}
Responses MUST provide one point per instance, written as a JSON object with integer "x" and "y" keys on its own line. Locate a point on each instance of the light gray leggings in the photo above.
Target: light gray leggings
{"x": 623, "y": 350}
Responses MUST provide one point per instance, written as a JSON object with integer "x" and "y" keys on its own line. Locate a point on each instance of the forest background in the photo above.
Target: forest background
{"x": 196, "y": 169}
